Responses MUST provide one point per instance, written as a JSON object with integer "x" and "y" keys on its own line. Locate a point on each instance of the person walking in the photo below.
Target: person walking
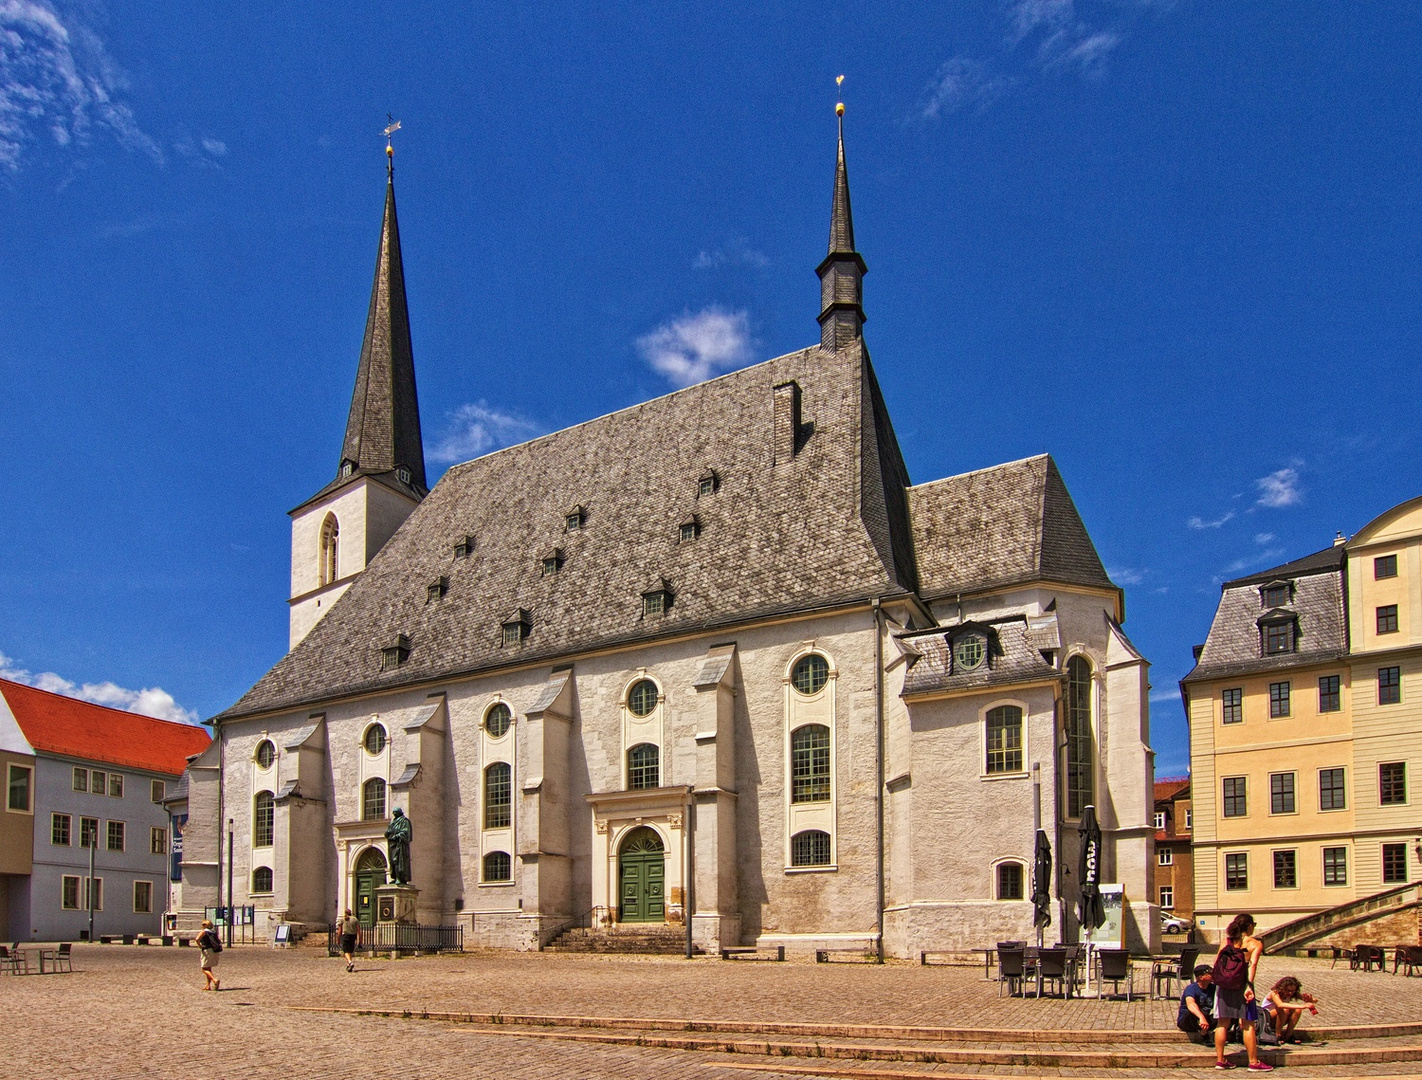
{"x": 349, "y": 928}
{"x": 209, "y": 948}
{"x": 1233, "y": 974}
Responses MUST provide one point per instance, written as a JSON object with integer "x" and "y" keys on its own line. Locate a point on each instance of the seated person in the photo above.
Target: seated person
{"x": 1197, "y": 1005}
{"x": 1285, "y": 1005}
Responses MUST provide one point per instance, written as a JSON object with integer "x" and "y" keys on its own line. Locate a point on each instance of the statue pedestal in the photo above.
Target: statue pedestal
{"x": 396, "y": 904}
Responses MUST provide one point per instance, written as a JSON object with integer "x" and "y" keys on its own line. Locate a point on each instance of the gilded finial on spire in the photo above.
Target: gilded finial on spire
{"x": 839, "y": 105}
{"x": 390, "y": 130}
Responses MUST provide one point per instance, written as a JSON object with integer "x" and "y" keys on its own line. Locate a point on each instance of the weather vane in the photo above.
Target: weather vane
{"x": 390, "y": 129}
{"x": 839, "y": 105}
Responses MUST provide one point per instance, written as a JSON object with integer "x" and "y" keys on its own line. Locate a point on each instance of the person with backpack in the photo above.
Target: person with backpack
{"x": 349, "y": 928}
{"x": 1233, "y": 976}
{"x": 209, "y": 947}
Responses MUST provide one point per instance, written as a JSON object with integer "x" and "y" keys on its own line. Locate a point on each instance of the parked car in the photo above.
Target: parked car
{"x": 1170, "y": 924}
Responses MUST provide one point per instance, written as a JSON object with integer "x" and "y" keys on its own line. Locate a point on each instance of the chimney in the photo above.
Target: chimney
{"x": 1339, "y": 541}
{"x": 787, "y": 421}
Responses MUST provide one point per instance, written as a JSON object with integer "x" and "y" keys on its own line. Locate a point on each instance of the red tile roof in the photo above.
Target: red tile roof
{"x": 65, "y": 725}
{"x": 1170, "y": 787}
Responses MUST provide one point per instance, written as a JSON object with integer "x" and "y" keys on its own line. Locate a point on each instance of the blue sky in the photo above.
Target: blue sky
{"x": 1174, "y": 244}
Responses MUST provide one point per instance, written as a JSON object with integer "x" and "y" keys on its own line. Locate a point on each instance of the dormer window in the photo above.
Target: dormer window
{"x": 436, "y": 589}
{"x": 403, "y": 473}
{"x": 347, "y": 467}
{"x": 395, "y": 654}
{"x": 656, "y": 601}
{"x": 575, "y": 519}
{"x": 464, "y": 548}
{"x": 552, "y": 562}
{"x": 1277, "y": 633}
{"x": 969, "y": 652}
{"x": 707, "y": 484}
{"x": 516, "y": 627}
{"x": 689, "y": 530}
{"x": 1275, "y": 594}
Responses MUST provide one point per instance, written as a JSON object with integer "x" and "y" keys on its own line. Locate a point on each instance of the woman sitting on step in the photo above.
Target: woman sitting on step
{"x": 1285, "y": 1006}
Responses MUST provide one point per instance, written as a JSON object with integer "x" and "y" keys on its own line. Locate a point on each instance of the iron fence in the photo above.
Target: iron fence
{"x": 401, "y": 939}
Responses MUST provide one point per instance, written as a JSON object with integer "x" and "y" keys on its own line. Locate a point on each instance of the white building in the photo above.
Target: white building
{"x": 711, "y": 652}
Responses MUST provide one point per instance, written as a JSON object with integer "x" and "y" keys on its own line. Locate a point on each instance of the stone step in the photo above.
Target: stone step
{"x": 650, "y": 940}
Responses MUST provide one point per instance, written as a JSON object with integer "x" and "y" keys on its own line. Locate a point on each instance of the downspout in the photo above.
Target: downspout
{"x": 221, "y": 802}
{"x": 879, "y": 769}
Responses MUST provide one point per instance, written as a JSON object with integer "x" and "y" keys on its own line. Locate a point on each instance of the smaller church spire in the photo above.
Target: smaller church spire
{"x": 842, "y": 271}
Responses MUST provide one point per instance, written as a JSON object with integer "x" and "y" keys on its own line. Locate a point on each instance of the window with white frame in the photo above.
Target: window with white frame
{"x": 810, "y": 848}
{"x": 372, "y": 799}
{"x": 1010, "y": 880}
{"x": 498, "y": 796}
{"x": 59, "y": 825}
{"x": 94, "y": 894}
{"x": 143, "y": 897}
{"x": 263, "y": 819}
{"x": 1165, "y": 856}
{"x": 69, "y": 892}
{"x": 262, "y": 879}
{"x": 1079, "y": 758}
{"x": 1004, "y": 739}
{"x": 1159, "y": 820}
{"x": 1167, "y": 897}
{"x": 157, "y": 841}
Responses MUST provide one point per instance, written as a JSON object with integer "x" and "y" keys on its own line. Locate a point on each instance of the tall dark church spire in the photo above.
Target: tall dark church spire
{"x": 842, "y": 272}
{"x": 383, "y": 432}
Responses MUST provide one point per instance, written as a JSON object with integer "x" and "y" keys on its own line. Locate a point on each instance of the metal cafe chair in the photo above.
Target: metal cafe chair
{"x": 1114, "y": 966}
{"x": 14, "y": 961}
{"x": 1175, "y": 969}
{"x": 1052, "y": 966}
{"x": 1011, "y": 969}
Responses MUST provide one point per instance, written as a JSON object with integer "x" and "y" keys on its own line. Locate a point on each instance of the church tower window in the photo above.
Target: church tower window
{"x": 642, "y": 698}
{"x": 330, "y": 544}
{"x": 266, "y": 754}
{"x": 372, "y": 800}
{"x": 262, "y": 879}
{"x": 498, "y": 866}
{"x": 498, "y": 796}
{"x": 374, "y": 739}
{"x": 810, "y": 848}
{"x": 1080, "y": 782}
{"x": 810, "y": 674}
{"x": 263, "y": 820}
{"x": 643, "y": 767}
{"x": 810, "y": 764}
{"x": 497, "y": 722}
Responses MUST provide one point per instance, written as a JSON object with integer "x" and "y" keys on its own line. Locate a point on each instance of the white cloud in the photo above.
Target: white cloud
{"x": 150, "y": 701}
{"x": 736, "y": 252}
{"x": 1263, "y": 538}
{"x": 1279, "y": 489}
{"x": 1201, "y": 523}
{"x": 477, "y": 428}
{"x": 1125, "y": 575}
{"x": 960, "y": 83}
{"x": 693, "y": 348}
{"x": 57, "y": 77}
{"x": 202, "y": 152}
{"x": 215, "y": 147}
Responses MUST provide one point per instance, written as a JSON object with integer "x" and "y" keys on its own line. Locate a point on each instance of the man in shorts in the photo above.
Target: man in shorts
{"x": 209, "y": 949}
{"x": 349, "y": 928}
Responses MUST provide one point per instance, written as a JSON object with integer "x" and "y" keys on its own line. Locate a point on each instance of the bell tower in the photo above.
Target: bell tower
{"x": 842, "y": 271}
{"x": 380, "y": 478}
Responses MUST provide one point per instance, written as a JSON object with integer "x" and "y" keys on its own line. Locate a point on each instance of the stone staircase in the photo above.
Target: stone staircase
{"x": 647, "y": 939}
{"x": 1384, "y": 918}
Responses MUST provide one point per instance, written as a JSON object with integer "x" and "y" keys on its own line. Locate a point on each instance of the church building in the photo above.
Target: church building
{"x": 711, "y": 657}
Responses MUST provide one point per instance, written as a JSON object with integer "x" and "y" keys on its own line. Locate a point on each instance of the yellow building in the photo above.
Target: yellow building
{"x": 1305, "y": 712}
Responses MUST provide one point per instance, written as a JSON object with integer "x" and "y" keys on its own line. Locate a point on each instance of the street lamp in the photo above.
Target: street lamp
{"x": 229, "y": 883}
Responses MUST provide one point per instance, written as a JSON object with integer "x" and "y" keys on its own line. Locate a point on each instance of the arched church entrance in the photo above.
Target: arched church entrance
{"x": 369, "y": 876}
{"x": 642, "y": 874}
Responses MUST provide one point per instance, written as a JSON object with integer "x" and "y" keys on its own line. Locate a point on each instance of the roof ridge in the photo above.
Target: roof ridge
{"x": 974, "y": 472}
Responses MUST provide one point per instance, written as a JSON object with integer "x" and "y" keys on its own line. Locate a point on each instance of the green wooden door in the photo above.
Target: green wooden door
{"x": 366, "y": 883}
{"x": 643, "y": 872}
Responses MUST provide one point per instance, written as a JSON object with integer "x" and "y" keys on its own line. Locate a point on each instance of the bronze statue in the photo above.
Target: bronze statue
{"x": 398, "y": 838}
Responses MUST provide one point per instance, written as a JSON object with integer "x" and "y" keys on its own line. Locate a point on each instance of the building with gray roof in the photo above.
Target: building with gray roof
{"x": 711, "y": 658}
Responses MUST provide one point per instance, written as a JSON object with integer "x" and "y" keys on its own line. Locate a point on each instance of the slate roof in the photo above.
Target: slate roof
{"x": 57, "y": 724}
{"x": 828, "y": 527}
{"x": 383, "y": 429}
{"x": 998, "y": 527}
{"x": 1232, "y": 647}
{"x": 1015, "y": 659}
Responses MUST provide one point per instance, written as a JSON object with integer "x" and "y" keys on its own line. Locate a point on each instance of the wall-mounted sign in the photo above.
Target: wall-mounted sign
{"x": 387, "y": 909}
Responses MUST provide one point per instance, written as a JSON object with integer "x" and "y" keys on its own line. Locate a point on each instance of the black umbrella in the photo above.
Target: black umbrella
{"x": 1090, "y": 910}
{"x": 1042, "y": 882}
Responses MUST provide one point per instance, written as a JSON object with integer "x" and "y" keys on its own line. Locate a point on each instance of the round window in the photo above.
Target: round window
{"x": 498, "y": 720}
{"x": 810, "y": 674}
{"x": 642, "y": 698}
{"x": 374, "y": 739}
{"x": 266, "y": 754}
{"x": 969, "y": 652}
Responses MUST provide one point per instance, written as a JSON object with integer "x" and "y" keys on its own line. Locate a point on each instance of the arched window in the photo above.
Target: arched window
{"x": 810, "y": 674}
{"x": 810, "y": 764}
{"x": 810, "y": 848}
{"x": 330, "y": 543}
{"x": 498, "y": 866}
{"x": 1079, "y": 778}
{"x": 266, "y": 754}
{"x": 372, "y": 800}
{"x": 374, "y": 739}
{"x": 644, "y": 767}
{"x": 262, "y": 879}
{"x": 263, "y": 820}
{"x": 498, "y": 796}
{"x": 497, "y": 721}
{"x": 1009, "y": 881}
{"x": 1004, "y": 739}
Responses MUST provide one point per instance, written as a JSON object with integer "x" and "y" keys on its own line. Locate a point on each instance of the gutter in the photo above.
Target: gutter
{"x": 879, "y": 771}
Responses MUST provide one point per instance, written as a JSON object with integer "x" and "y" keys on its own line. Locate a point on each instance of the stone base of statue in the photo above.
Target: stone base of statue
{"x": 396, "y": 904}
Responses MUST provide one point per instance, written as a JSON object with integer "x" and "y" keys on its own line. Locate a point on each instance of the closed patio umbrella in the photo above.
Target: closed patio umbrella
{"x": 1042, "y": 884}
{"x": 1090, "y": 910}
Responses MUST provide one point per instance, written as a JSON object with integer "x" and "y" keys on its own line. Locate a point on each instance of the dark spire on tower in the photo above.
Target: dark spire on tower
{"x": 842, "y": 272}
{"x": 383, "y": 432}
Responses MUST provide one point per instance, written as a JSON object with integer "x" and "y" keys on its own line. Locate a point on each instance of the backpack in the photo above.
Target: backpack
{"x": 1231, "y": 969}
{"x": 214, "y": 943}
